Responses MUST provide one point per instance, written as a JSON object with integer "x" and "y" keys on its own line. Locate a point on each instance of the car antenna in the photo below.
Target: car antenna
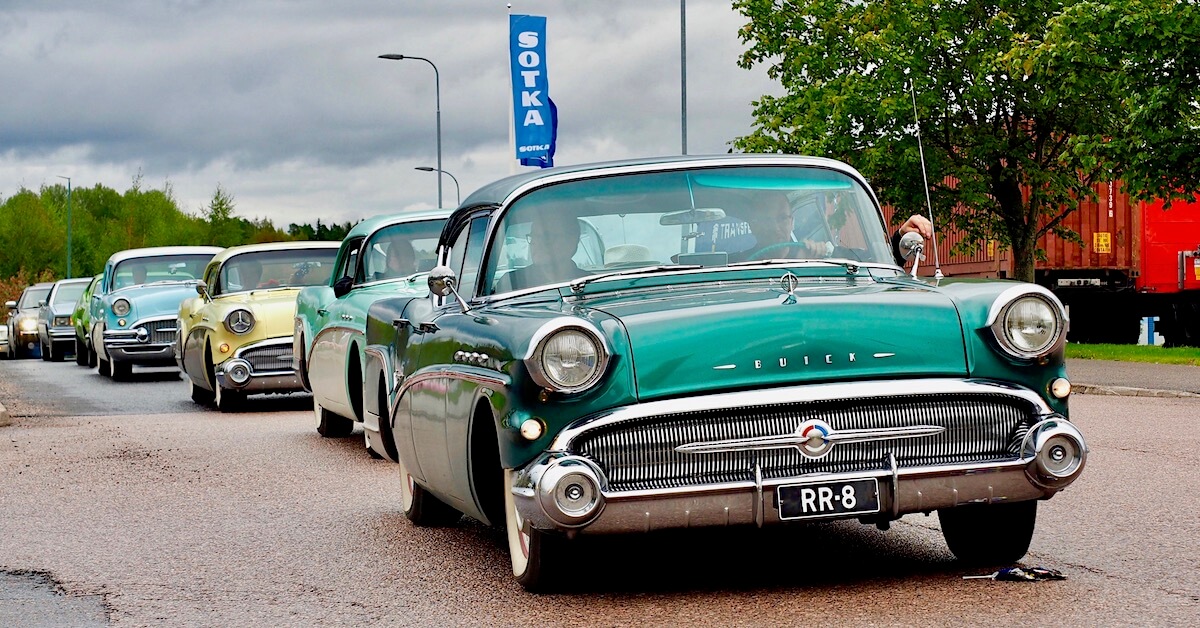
{"x": 937, "y": 272}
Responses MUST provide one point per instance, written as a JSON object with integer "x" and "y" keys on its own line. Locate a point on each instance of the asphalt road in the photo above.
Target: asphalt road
{"x": 125, "y": 504}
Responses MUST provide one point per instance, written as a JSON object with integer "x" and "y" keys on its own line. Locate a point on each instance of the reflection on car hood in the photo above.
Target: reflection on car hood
{"x": 737, "y": 337}
{"x": 155, "y": 299}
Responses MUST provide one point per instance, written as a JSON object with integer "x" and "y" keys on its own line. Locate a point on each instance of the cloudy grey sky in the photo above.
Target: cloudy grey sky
{"x": 285, "y": 105}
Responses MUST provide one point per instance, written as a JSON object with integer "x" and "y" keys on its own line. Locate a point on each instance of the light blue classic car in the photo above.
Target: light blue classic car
{"x": 134, "y": 309}
{"x": 381, "y": 257}
{"x": 56, "y": 336}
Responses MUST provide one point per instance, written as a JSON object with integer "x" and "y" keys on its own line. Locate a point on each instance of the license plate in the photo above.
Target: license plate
{"x": 813, "y": 500}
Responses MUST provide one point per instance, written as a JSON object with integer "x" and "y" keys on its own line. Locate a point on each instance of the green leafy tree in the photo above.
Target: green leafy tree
{"x": 1017, "y": 120}
{"x": 223, "y": 228}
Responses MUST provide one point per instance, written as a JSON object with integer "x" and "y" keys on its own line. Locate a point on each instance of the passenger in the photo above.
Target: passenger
{"x": 553, "y": 240}
{"x": 401, "y": 259}
{"x": 250, "y": 274}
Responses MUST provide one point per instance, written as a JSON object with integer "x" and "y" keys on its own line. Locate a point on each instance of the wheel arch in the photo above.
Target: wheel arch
{"x": 486, "y": 470}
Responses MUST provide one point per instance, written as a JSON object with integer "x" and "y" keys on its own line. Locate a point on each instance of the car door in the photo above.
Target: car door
{"x": 441, "y": 404}
{"x": 194, "y": 331}
{"x": 335, "y": 332}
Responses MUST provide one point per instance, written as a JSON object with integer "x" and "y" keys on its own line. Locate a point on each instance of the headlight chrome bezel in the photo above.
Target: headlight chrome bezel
{"x": 121, "y": 307}
{"x": 535, "y": 359}
{"x": 241, "y": 325}
{"x": 1003, "y": 307}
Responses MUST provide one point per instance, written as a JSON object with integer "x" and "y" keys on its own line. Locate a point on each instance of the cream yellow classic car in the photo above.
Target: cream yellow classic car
{"x": 235, "y": 337}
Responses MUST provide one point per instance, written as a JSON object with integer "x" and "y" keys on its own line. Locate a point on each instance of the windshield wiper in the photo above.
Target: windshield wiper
{"x": 851, "y": 266}
{"x": 578, "y": 284}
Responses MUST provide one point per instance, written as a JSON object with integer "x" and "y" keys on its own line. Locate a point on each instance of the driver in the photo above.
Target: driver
{"x": 772, "y": 222}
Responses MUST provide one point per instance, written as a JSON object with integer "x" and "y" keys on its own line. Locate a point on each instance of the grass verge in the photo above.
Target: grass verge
{"x": 1135, "y": 353}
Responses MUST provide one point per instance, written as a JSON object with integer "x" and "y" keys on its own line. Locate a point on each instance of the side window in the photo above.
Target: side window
{"x": 466, "y": 255}
{"x": 210, "y": 279}
{"x": 350, "y": 261}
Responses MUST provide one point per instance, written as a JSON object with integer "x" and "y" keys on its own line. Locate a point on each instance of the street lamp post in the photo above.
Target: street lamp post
{"x": 457, "y": 190}
{"x": 68, "y": 223}
{"x": 683, "y": 73}
{"x": 437, "y": 85}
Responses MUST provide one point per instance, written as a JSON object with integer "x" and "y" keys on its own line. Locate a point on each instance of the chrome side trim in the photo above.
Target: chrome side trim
{"x": 791, "y": 394}
{"x": 469, "y": 376}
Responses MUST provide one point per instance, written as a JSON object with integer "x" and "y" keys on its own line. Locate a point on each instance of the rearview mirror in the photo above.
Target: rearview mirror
{"x": 12, "y": 305}
{"x": 202, "y": 289}
{"x": 692, "y": 216}
{"x": 441, "y": 281}
{"x": 912, "y": 245}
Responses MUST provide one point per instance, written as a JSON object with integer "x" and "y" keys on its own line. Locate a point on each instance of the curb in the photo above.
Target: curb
{"x": 1127, "y": 391}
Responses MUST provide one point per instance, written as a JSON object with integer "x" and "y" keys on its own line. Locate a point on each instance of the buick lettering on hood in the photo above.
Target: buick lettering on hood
{"x": 631, "y": 346}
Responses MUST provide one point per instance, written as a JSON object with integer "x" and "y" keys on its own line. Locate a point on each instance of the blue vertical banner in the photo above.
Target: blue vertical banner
{"x": 534, "y": 120}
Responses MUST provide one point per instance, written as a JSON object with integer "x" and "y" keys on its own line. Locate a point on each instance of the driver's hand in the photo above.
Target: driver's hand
{"x": 918, "y": 223}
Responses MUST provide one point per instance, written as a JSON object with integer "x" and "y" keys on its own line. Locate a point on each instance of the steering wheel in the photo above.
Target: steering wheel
{"x": 771, "y": 247}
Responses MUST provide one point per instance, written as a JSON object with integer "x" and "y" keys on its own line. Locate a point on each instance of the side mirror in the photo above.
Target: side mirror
{"x": 912, "y": 245}
{"x": 12, "y": 305}
{"x": 42, "y": 303}
{"x": 202, "y": 289}
{"x": 442, "y": 281}
{"x": 342, "y": 286}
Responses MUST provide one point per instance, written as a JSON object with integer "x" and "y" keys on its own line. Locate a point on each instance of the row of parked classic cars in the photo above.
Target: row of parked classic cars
{"x": 619, "y": 348}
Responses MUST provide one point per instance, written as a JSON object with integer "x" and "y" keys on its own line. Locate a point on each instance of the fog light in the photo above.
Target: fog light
{"x": 531, "y": 429}
{"x": 120, "y": 322}
{"x": 569, "y": 493}
{"x": 224, "y": 348}
{"x": 1060, "y": 388}
{"x": 238, "y": 372}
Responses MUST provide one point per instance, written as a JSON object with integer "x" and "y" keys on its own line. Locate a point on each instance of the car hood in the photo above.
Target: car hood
{"x": 741, "y": 337}
{"x": 62, "y": 309}
{"x": 155, "y": 299}
{"x": 273, "y": 310}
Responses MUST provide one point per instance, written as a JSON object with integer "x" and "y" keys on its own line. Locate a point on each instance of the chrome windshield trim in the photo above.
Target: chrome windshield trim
{"x": 792, "y": 394}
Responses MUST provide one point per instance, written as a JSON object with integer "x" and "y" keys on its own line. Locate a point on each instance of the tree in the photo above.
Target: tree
{"x": 1016, "y": 122}
{"x": 223, "y": 228}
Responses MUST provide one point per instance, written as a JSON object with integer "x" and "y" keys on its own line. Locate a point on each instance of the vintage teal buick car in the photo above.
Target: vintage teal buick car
{"x": 134, "y": 308}
{"x": 624, "y": 347}
{"x": 380, "y": 257}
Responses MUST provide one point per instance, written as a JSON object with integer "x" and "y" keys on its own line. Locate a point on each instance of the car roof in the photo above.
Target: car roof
{"x": 372, "y": 224}
{"x": 155, "y": 251}
{"x": 275, "y": 246}
{"x": 497, "y": 192}
{"x": 74, "y": 280}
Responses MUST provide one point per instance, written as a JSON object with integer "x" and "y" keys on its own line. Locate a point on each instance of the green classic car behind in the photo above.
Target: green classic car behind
{"x": 624, "y": 347}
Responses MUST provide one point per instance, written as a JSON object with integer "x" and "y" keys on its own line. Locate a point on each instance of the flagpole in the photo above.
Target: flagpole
{"x": 512, "y": 133}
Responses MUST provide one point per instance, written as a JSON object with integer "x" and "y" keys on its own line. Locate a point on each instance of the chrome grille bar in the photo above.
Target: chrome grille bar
{"x": 640, "y": 454}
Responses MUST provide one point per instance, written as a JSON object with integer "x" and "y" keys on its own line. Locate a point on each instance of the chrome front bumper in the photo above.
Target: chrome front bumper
{"x": 134, "y": 345}
{"x": 238, "y": 372}
{"x": 1052, "y": 455}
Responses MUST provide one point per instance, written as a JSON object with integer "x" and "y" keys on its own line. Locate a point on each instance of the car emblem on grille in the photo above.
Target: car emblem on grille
{"x": 814, "y": 438}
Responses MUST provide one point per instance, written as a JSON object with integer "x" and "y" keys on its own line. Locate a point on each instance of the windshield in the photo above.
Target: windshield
{"x": 69, "y": 293}
{"x": 400, "y": 250}
{"x": 710, "y": 217}
{"x": 261, "y": 270}
{"x": 32, "y": 296}
{"x": 141, "y": 270}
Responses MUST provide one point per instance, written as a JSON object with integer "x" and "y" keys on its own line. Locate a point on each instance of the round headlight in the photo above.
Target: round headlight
{"x": 1030, "y": 325}
{"x": 239, "y": 321}
{"x": 571, "y": 359}
{"x": 120, "y": 307}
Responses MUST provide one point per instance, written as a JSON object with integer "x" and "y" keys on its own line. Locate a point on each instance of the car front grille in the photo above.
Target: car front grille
{"x": 161, "y": 332}
{"x": 640, "y": 454}
{"x": 269, "y": 358}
